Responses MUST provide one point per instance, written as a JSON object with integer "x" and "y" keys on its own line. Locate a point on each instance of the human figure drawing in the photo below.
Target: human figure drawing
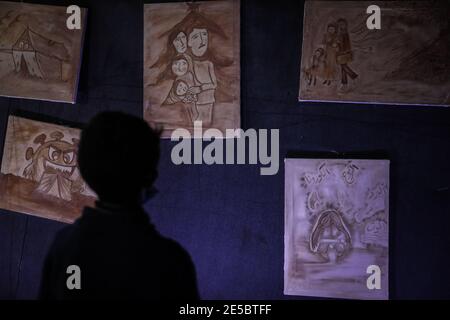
{"x": 330, "y": 61}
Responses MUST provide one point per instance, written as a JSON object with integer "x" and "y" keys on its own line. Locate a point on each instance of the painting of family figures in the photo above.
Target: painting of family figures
{"x": 192, "y": 71}
{"x": 330, "y": 61}
{"x": 407, "y": 61}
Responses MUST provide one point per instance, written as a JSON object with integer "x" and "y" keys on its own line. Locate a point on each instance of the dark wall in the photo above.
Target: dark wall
{"x": 230, "y": 218}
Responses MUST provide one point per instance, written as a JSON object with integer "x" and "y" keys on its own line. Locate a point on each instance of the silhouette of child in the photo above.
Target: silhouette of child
{"x": 119, "y": 251}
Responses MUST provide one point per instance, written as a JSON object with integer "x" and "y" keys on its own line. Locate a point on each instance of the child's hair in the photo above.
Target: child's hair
{"x": 180, "y": 58}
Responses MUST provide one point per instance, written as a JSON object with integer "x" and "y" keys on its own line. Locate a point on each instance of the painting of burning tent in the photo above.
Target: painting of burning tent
{"x": 336, "y": 228}
{"x": 39, "y": 56}
{"x": 192, "y": 65}
{"x": 39, "y": 174}
{"x": 407, "y": 61}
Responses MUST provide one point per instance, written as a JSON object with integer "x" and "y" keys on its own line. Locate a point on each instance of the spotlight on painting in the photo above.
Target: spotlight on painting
{"x": 39, "y": 173}
{"x": 336, "y": 228}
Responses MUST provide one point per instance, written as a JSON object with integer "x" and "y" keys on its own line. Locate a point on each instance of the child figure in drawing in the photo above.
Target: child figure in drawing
{"x": 181, "y": 90}
{"x": 334, "y": 55}
{"x": 404, "y": 62}
{"x": 188, "y": 57}
{"x": 317, "y": 68}
{"x": 180, "y": 93}
{"x": 197, "y": 72}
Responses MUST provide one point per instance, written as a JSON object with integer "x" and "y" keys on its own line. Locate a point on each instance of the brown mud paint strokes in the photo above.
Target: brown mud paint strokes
{"x": 39, "y": 174}
{"x": 39, "y": 57}
{"x": 407, "y": 61}
{"x": 192, "y": 65}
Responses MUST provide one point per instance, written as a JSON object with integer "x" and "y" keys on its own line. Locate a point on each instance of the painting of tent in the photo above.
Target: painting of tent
{"x": 39, "y": 57}
{"x": 39, "y": 174}
{"x": 192, "y": 65}
{"x": 33, "y": 56}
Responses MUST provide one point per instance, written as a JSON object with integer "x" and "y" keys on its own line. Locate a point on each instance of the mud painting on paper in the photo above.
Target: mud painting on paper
{"x": 39, "y": 56}
{"x": 336, "y": 226}
{"x": 192, "y": 65}
{"x": 407, "y": 61}
{"x": 39, "y": 174}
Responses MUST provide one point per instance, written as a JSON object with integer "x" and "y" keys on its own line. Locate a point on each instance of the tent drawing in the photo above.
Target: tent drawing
{"x": 37, "y": 56}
